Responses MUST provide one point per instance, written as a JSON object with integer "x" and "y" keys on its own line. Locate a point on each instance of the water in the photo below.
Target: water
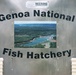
{"x": 37, "y": 41}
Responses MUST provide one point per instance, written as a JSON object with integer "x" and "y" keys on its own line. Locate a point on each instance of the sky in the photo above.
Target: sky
{"x": 23, "y": 22}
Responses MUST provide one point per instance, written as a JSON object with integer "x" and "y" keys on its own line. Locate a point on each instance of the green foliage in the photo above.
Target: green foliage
{"x": 39, "y": 46}
{"x": 53, "y": 45}
{"x": 54, "y": 37}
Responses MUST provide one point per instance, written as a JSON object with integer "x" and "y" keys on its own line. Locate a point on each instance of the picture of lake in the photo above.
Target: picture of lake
{"x": 38, "y": 34}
